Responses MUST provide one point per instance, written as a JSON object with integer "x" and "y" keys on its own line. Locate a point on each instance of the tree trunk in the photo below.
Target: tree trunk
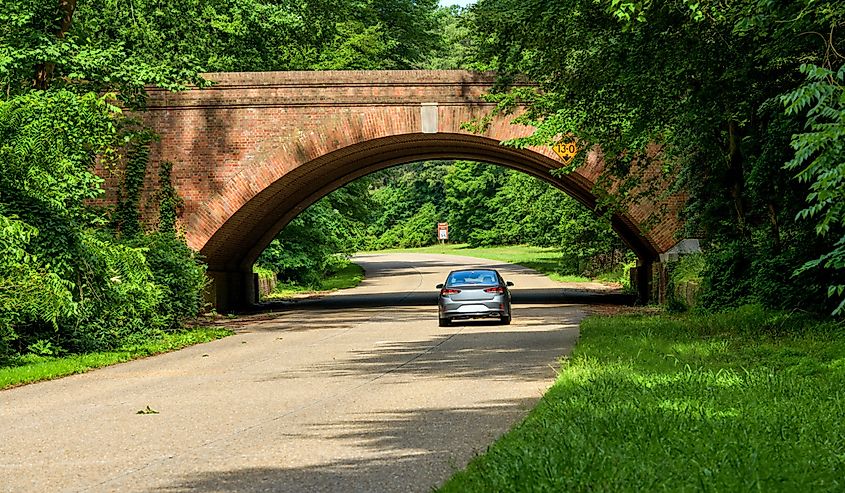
{"x": 44, "y": 70}
{"x": 773, "y": 218}
{"x": 736, "y": 177}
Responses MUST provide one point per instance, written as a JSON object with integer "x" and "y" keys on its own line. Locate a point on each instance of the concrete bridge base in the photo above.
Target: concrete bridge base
{"x": 230, "y": 291}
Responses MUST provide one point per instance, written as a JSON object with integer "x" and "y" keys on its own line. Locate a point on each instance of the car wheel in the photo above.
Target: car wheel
{"x": 444, "y": 322}
{"x": 506, "y": 320}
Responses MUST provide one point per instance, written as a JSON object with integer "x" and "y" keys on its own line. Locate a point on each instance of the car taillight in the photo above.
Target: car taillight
{"x": 447, "y": 291}
{"x": 497, "y": 290}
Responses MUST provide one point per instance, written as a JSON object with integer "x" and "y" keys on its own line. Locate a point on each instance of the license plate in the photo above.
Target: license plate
{"x": 472, "y": 308}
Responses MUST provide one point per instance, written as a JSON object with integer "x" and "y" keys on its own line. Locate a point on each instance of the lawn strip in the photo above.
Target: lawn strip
{"x": 549, "y": 261}
{"x": 33, "y": 368}
{"x": 746, "y": 400}
{"x": 348, "y": 277}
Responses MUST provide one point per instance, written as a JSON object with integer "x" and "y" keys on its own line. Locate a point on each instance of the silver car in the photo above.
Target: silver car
{"x": 477, "y": 293}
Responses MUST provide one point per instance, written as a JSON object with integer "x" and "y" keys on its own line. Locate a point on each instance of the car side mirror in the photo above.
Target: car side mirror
{"x": 439, "y": 286}
{"x": 509, "y": 283}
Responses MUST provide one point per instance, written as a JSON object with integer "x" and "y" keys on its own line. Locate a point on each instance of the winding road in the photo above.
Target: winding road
{"x": 357, "y": 391}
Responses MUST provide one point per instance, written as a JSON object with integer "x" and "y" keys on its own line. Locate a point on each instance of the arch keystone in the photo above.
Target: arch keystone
{"x": 429, "y": 118}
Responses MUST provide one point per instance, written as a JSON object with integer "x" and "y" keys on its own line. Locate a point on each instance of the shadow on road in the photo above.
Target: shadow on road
{"x": 416, "y": 440}
{"x": 472, "y": 349}
{"x": 429, "y": 298}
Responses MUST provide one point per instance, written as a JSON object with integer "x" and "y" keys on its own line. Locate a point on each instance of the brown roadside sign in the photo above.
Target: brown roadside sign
{"x": 566, "y": 150}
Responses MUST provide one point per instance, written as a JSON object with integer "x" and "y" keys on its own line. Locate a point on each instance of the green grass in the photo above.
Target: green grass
{"x": 548, "y": 261}
{"x": 743, "y": 401}
{"x": 33, "y": 368}
{"x": 348, "y": 277}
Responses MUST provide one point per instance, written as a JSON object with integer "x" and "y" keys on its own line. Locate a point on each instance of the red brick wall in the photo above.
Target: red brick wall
{"x": 256, "y": 148}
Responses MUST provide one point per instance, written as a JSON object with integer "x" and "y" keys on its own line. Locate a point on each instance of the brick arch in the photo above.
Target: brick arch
{"x": 255, "y": 149}
{"x": 241, "y": 236}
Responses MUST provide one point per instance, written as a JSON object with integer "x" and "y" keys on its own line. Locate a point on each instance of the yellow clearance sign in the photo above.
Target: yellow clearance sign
{"x": 566, "y": 150}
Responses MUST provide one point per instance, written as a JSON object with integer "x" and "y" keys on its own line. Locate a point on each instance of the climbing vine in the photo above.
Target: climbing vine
{"x": 126, "y": 219}
{"x": 169, "y": 202}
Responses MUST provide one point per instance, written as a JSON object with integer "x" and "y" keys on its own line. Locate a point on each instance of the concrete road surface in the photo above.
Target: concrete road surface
{"x": 344, "y": 394}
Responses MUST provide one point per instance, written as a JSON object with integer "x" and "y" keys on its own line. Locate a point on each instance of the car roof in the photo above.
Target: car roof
{"x": 474, "y": 270}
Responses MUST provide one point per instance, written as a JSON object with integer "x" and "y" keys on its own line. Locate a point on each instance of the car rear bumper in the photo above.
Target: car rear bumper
{"x": 475, "y": 309}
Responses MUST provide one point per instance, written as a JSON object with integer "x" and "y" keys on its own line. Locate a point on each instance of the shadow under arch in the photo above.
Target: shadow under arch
{"x": 235, "y": 246}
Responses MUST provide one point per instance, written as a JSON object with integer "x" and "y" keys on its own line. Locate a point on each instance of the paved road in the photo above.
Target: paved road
{"x": 336, "y": 395}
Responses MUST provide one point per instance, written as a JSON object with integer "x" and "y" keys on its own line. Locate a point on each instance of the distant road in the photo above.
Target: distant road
{"x": 360, "y": 391}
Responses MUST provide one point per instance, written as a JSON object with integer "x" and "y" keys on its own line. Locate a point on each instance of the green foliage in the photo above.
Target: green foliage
{"x": 525, "y": 210}
{"x": 695, "y": 87}
{"x": 318, "y": 241}
{"x": 48, "y": 141}
{"x": 488, "y": 205}
{"x": 126, "y": 218}
{"x": 47, "y": 145}
{"x": 399, "y": 193}
{"x": 29, "y": 292}
{"x": 169, "y": 201}
{"x": 456, "y": 49}
{"x": 677, "y": 404}
{"x": 105, "y": 45}
{"x": 470, "y": 187}
{"x": 68, "y": 283}
{"x": 117, "y": 296}
{"x": 418, "y": 230}
{"x": 125, "y": 47}
{"x": 820, "y": 160}
{"x": 179, "y": 273}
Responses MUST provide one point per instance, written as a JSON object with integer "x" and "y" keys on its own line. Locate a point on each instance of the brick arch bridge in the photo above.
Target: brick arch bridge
{"x": 254, "y": 150}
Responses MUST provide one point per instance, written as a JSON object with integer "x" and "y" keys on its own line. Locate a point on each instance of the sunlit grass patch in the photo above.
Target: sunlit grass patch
{"x": 348, "y": 277}
{"x": 34, "y": 368}
{"x": 730, "y": 402}
{"x": 549, "y": 261}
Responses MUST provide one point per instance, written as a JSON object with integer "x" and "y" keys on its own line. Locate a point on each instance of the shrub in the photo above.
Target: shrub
{"x": 117, "y": 296}
{"x": 29, "y": 292}
{"x": 177, "y": 270}
{"x": 726, "y": 281}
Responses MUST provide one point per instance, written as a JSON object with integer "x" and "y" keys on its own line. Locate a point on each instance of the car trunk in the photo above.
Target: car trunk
{"x": 473, "y": 293}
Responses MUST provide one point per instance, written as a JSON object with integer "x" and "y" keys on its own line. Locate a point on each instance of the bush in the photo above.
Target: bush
{"x": 124, "y": 291}
{"x": 118, "y": 296}
{"x": 726, "y": 281}
{"x": 29, "y": 292}
{"x": 738, "y": 273}
{"x": 180, "y": 274}
{"x": 414, "y": 232}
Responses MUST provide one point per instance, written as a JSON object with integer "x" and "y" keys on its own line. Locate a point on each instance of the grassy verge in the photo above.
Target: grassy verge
{"x": 33, "y": 368}
{"x": 348, "y": 277}
{"x": 747, "y": 400}
{"x": 548, "y": 261}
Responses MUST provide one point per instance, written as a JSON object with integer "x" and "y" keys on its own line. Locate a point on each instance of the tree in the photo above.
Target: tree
{"x": 699, "y": 80}
{"x": 64, "y": 73}
{"x": 318, "y": 241}
{"x": 470, "y": 188}
{"x": 820, "y": 159}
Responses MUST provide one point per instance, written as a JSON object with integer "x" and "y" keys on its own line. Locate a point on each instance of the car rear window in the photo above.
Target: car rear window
{"x": 470, "y": 277}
